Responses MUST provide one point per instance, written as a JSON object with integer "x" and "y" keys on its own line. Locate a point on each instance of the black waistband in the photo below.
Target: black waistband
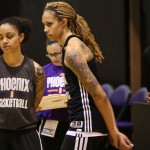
{"x": 18, "y": 131}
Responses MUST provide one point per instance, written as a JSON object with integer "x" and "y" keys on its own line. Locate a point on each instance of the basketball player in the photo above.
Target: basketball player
{"x": 21, "y": 88}
{"x": 90, "y": 113}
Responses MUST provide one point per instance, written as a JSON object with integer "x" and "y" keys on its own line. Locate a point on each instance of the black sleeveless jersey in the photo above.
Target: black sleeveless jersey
{"x": 83, "y": 114}
{"x": 17, "y": 95}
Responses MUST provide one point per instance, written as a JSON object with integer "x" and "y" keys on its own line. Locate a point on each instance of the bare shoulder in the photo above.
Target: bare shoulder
{"x": 36, "y": 64}
{"x": 38, "y": 69}
{"x": 40, "y": 78}
{"x": 72, "y": 51}
{"x": 77, "y": 47}
{"x": 75, "y": 43}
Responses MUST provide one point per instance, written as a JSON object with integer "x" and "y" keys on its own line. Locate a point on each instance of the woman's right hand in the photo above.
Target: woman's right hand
{"x": 120, "y": 141}
{"x": 148, "y": 98}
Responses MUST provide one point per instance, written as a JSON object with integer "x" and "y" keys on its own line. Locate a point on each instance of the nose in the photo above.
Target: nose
{"x": 45, "y": 29}
{"x": 53, "y": 57}
{"x": 5, "y": 40}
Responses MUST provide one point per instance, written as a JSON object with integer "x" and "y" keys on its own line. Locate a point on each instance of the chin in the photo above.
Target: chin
{"x": 50, "y": 38}
{"x": 57, "y": 64}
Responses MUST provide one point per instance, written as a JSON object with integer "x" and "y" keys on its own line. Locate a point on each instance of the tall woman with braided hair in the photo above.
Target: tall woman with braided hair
{"x": 90, "y": 113}
{"x": 21, "y": 88}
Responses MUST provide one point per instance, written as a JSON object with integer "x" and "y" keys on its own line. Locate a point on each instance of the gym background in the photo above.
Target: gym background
{"x": 109, "y": 22}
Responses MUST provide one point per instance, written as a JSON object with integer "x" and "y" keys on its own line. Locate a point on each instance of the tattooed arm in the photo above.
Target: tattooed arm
{"x": 76, "y": 58}
{"x": 40, "y": 77}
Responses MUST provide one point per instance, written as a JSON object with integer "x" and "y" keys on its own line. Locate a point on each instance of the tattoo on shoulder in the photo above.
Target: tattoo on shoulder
{"x": 40, "y": 71}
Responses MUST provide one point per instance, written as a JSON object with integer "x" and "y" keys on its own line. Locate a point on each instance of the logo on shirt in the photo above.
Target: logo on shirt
{"x": 55, "y": 82}
{"x": 13, "y": 103}
{"x": 12, "y": 85}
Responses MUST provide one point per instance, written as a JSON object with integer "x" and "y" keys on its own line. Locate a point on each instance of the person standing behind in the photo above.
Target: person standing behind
{"x": 54, "y": 85}
{"x": 91, "y": 116}
{"x": 21, "y": 88}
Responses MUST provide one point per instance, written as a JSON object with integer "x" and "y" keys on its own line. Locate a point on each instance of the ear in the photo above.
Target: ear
{"x": 65, "y": 22}
{"x": 21, "y": 37}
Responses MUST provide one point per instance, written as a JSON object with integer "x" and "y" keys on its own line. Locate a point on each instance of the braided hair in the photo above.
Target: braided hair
{"x": 76, "y": 24}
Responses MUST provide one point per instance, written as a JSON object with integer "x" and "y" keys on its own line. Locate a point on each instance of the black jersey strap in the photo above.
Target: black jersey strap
{"x": 68, "y": 38}
{"x": 65, "y": 44}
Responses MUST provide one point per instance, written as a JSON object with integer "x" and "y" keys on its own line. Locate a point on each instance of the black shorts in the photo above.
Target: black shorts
{"x": 27, "y": 139}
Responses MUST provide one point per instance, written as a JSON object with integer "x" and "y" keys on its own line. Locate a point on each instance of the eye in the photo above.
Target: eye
{"x": 9, "y": 36}
{"x": 48, "y": 24}
{"x": 1, "y": 37}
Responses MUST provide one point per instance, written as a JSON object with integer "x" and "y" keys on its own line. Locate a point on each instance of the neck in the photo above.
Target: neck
{"x": 13, "y": 61}
{"x": 64, "y": 37}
